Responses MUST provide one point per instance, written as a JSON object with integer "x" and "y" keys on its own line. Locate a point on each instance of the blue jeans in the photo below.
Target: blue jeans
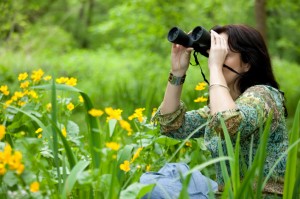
{"x": 169, "y": 184}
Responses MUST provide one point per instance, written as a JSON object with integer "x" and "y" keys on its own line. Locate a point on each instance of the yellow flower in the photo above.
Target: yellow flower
{"x": 95, "y": 112}
{"x": 20, "y": 169}
{"x": 34, "y": 187}
{"x": 6, "y": 153}
{"x": 70, "y": 106}
{"x": 125, "y": 125}
{"x": 71, "y": 81}
{"x": 40, "y": 136}
{"x": 62, "y": 80}
{"x": 153, "y": 112}
{"x": 33, "y": 94}
{"x": 8, "y": 102}
{"x": 200, "y": 99}
{"x": 37, "y": 75}
{"x": 64, "y": 132}
{"x": 80, "y": 99}
{"x": 24, "y": 84}
{"x": 48, "y": 77}
{"x": 148, "y": 167}
{"x": 200, "y": 86}
{"x": 2, "y": 169}
{"x": 125, "y": 166}
{"x": 15, "y": 160}
{"x": 21, "y": 103}
{"x": 4, "y": 89}
{"x": 2, "y": 131}
{"x": 113, "y": 113}
{"x": 112, "y": 145}
{"x": 138, "y": 113}
{"x": 188, "y": 144}
{"x": 22, "y": 76}
{"x": 137, "y": 154}
{"x": 48, "y": 107}
{"x": 17, "y": 95}
{"x": 39, "y": 130}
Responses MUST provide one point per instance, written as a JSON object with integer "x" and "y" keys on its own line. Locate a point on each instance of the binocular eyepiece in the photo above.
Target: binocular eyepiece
{"x": 199, "y": 39}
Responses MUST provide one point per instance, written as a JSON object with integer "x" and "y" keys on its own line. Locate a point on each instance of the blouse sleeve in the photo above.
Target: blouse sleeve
{"x": 181, "y": 123}
{"x": 253, "y": 109}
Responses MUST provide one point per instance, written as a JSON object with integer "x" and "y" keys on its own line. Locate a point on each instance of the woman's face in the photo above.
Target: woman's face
{"x": 234, "y": 61}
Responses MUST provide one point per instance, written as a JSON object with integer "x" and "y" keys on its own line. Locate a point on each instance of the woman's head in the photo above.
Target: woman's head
{"x": 250, "y": 44}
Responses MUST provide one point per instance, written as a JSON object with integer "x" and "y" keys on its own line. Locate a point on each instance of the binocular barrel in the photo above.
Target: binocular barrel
{"x": 199, "y": 39}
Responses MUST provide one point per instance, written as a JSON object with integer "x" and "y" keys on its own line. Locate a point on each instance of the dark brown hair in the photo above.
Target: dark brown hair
{"x": 251, "y": 45}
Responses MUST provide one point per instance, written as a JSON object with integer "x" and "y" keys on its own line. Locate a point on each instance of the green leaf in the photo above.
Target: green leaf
{"x": 95, "y": 138}
{"x": 201, "y": 144}
{"x": 112, "y": 124}
{"x": 291, "y": 166}
{"x": 124, "y": 154}
{"x": 54, "y": 131}
{"x": 72, "y": 129}
{"x": 10, "y": 179}
{"x": 136, "y": 190}
{"x": 167, "y": 141}
{"x": 105, "y": 183}
{"x": 72, "y": 178}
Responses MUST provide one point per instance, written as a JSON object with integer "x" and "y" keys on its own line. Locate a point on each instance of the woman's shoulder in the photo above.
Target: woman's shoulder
{"x": 263, "y": 91}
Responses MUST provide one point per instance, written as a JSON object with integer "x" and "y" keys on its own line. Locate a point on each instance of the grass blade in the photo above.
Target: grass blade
{"x": 184, "y": 141}
{"x": 205, "y": 164}
{"x": 95, "y": 139}
{"x": 255, "y": 172}
{"x": 262, "y": 154}
{"x": 54, "y": 134}
{"x": 235, "y": 161}
{"x": 291, "y": 166}
{"x": 227, "y": 182}
{"x": 72, "y": 178}
{"x": 70, "y": 155}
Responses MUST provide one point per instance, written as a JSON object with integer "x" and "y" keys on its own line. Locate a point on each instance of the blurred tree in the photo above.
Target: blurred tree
{"x": 143, "y": 24}
{"x": 283, "y": 29}
{"x": 260, "y": 17}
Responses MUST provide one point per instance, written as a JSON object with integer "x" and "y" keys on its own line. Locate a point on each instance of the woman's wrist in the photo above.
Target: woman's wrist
{"x": 176, "y": 80}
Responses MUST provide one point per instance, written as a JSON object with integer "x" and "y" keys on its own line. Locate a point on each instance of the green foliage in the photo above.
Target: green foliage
{"x": 110, "y": 163}
{"x": 292, "y": 175}
{"x": 283, "y": 29}
{"x": 104, "y": 166}
{"x": 287, "y": 75}
{"x": 119, "y": 52}
{"x": 235, "y": 188}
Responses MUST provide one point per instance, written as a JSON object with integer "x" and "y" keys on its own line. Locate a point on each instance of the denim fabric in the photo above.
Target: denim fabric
{"x": 169, "y": 184}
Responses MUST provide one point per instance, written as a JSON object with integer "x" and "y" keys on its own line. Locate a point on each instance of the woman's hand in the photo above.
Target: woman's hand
{"x": 218, "y": 51}
{"x": 180, "y": 59}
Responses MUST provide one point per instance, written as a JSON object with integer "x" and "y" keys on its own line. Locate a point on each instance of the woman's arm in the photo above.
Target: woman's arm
{"x": 180, "y": 59}
{"x": 220, "y": 97}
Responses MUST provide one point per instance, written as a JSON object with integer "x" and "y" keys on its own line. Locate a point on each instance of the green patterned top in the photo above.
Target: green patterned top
{"x": 253, "y": 109}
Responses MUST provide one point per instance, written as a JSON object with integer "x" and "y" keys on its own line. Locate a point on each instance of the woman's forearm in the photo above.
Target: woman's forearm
{"x": 171, "y": 99}
{"x": 220, "y": 97}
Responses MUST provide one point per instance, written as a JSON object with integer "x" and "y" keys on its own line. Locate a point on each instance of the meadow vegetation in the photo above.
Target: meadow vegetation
{"x": 77, "y": 95}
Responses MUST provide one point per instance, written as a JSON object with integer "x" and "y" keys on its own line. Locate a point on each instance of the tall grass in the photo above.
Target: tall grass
{"x": 237, "y": 188}
{"x": 83, "y": 166}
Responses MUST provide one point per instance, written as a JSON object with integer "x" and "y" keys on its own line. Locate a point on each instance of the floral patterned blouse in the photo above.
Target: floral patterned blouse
{"x": 253, "y": 108}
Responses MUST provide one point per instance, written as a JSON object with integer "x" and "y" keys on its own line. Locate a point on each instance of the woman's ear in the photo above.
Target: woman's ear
{"x": 246, "y": 67}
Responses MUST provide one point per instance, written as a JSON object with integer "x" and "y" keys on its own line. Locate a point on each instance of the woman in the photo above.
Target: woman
{"x": 242, "y": 91}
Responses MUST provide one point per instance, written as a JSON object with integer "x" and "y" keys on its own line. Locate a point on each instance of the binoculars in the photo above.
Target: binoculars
{"x": 199, "y": 39}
